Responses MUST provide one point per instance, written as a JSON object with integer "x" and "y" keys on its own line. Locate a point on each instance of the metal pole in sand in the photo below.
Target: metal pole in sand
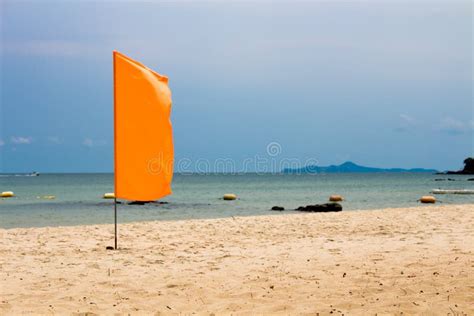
{"x": 115, "y": 220}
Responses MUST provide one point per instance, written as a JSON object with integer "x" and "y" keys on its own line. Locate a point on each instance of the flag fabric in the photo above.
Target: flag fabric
{"x": 143, "y": 138}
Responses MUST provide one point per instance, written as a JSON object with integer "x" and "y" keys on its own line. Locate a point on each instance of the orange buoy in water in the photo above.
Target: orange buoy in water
{"x": 108, "y": 196}
{"x": 336, "y": 198}
{"x": 428, "y": 199}
{"x": 230, "y": 197}
{"x": 7, "y": 194}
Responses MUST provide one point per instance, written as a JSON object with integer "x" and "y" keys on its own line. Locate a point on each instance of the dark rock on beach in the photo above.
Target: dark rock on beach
{"x": 278, "y": 208}
{"x": 470, "y": 179}
{"x": 326, "y": 207}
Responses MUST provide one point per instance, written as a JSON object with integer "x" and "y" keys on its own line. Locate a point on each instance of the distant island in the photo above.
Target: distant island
{"x": 350, "y": 167}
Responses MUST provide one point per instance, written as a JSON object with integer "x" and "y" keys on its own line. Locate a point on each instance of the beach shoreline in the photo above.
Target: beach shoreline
{"x": 413, "y": 260}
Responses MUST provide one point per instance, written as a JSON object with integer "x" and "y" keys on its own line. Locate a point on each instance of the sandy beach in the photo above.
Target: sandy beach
{"x": 392, "y": 261}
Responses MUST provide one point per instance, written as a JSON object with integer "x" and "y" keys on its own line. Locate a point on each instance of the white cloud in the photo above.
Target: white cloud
{"x": 2, "y": 142}
{"x": 21, "y": 140}
{"x": 55, "y": 140}
{"x": 407, "y": 123}
{"x": 89, "y": 142}
{"x": 407, "y": 118}
{"x": 453, "y": 126}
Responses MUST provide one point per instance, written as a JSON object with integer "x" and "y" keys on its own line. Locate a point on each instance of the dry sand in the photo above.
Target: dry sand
{"x": 413, "y": 260}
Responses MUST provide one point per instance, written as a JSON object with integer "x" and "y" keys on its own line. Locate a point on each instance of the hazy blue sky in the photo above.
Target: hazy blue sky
{"x": 381, "y": 83}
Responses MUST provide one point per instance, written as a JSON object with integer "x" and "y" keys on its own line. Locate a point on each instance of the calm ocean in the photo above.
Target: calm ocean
{"x": 79, "y": 196}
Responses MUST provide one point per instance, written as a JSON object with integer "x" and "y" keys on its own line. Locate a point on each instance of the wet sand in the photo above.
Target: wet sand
{"x": 411, "y": 260}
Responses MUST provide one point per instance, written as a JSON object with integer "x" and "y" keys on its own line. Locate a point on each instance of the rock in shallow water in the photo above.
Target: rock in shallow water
{"x": 278, "y": 208}
{"x": 326, "y": 207}
{"x": 138, "y": 202}
{"x": 146, "y": 202}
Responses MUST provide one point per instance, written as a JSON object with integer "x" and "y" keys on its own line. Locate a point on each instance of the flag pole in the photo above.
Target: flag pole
{"x": 115, "y": 220}
{"x": 115, "y": 150}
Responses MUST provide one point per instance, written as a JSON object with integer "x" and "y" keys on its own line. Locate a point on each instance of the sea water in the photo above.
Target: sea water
{"x": 78, "y": 197}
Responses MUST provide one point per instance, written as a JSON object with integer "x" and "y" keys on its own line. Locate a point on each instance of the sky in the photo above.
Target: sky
{"x": 380, "y": 83}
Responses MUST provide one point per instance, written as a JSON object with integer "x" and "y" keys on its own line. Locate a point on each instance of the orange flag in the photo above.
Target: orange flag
{"x": 143, "y": 136}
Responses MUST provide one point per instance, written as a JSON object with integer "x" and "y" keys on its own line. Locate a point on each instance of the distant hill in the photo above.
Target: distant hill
{"x": 350, "y": 167}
